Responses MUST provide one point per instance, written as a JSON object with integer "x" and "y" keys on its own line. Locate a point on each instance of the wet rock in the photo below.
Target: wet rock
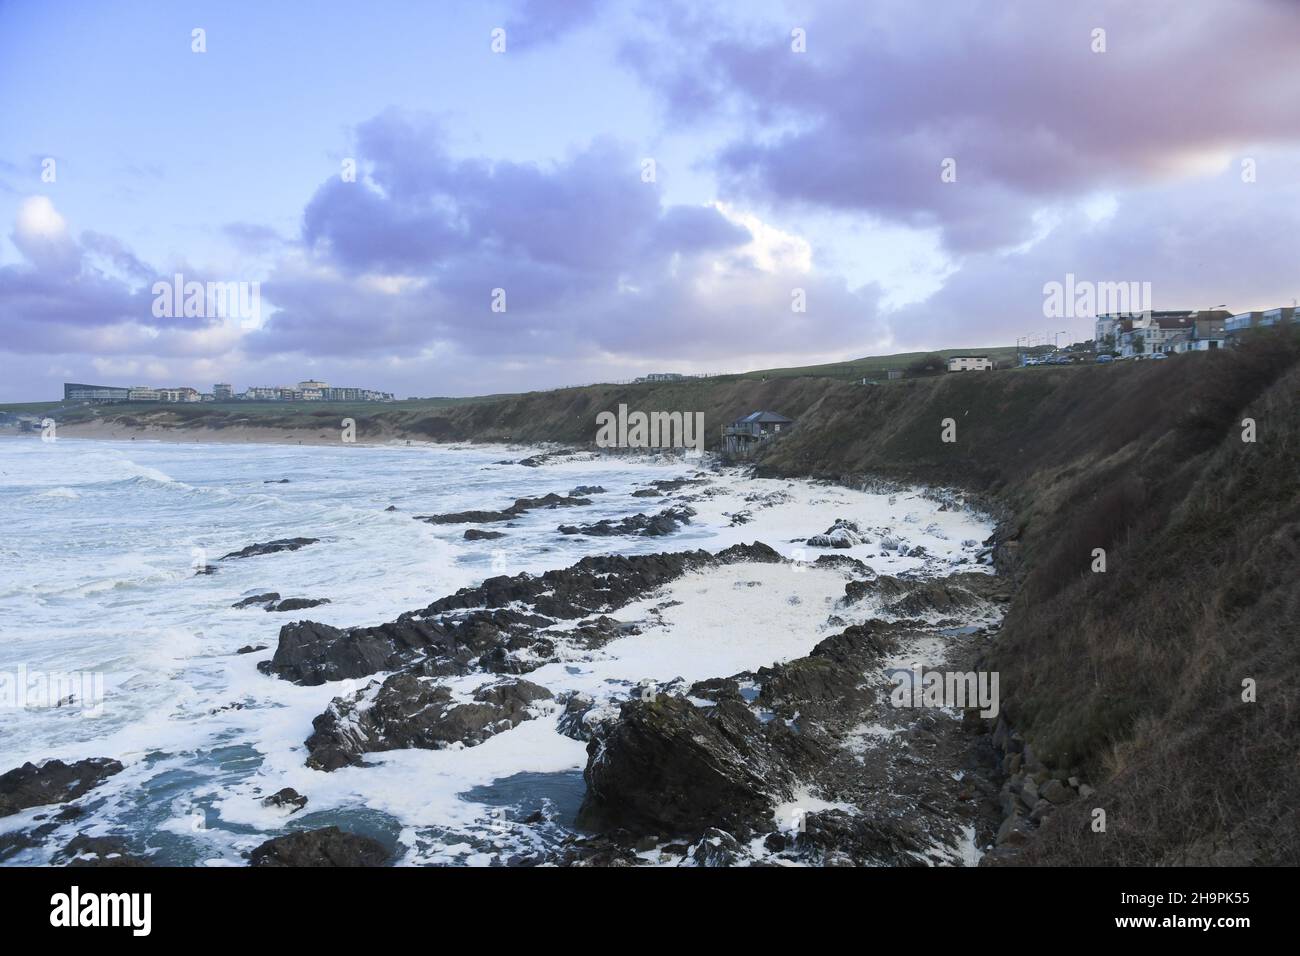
{"x": 667, "y": 766}
{"x": 520, "y": 507}
{"x": 477, "y": 534}
{"x": 100, "y": 852}
{"x": 665, "y": 522}
{"x": 270, "y": 547}
{"x": 647, "y": 493}
{"x": 883, "y": 587}
{"x": 287, "y": 798}
{"x": 586, "y": 490}
{"x": 18, "y": 840}
{"x": 411, "y": 712}
{"x": 52, "y": 782}
{"x": 842, "y": 534}
{"x": 933, "y": 597}
{"x": 297, "y": 604}
{"x": 251, "y": 649}
{"x": 715, "y": 848}
{"x": 466, "y": 517}
{"x": 843, "y": 562}
{"x": 474, "y": 629}
{"x": 275, "y": 481}
{"x": 676, "y": 484}
{"x": 391, "y": 508}
{"x": 858, "y": 839}
{"x": 328, "y": 846}
{"x": 573, "y": 721}
{"x": 310, "y": 653}
{"x": 263, "y": 599}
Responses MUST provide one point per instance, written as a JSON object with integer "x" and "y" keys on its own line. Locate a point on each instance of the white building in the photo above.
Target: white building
{"x": 970, "y": 363}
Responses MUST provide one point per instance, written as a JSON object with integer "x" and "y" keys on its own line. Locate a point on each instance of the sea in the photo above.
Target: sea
{"x": 114, "y": 642}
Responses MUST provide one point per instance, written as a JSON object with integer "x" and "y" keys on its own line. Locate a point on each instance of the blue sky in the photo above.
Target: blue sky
{"x": 776, "y": 170}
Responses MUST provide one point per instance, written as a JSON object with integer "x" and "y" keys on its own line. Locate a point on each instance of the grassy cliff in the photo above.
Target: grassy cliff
{"x": 1133, "y": 676}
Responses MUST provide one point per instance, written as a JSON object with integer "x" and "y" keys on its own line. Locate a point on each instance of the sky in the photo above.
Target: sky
{"x": 454, "y": 198}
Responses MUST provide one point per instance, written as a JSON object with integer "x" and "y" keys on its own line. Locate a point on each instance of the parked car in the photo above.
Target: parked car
{"x": 1160, "y": 355}
{"x": 1102, "y": 359}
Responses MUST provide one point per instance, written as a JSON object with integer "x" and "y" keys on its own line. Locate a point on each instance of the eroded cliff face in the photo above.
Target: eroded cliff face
{"x": 1140, "y": 675}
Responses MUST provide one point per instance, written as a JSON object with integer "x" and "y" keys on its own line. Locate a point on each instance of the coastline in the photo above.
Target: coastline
{"x": 510, "y": 657}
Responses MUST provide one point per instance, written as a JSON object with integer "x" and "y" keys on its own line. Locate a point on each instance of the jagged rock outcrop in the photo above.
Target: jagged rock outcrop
{"x": 270, "y": 547}
{"x": 520, "y": 507}
{"x": 842, "y": 534}
{"x": 52, "y": 782}
{"x": 408, "y": 711}
{"x": 328, "y": 846}
{"x": 665, "y": 522}
{"x": 668, "y": 766}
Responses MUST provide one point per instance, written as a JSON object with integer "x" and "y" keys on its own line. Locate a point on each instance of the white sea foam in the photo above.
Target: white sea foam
{"x": 100, "y": 576}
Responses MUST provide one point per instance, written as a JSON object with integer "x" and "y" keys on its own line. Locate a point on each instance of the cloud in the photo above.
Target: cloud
{"x": 590, "y": 259}
{"x": 1014, "y": 93}
{"x": 1200, "y": 243}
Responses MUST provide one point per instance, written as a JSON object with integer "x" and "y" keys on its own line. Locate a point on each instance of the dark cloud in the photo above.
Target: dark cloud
{"x": 1013, "y": 92}
{"x": 590, "y": 260}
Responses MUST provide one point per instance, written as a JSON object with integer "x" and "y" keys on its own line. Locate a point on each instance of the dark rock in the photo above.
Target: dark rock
{"x": 52, "y": 782}
{"x": 466, "y": 517}
{"x": 667, "y": 766}
{"x": 410, "y": 712}
{"x": 274, "y": 481}
{"x": 288, "y": 797}
{"x": 676, "y": 484}
{"x": 474, "y": 628}
{"x": 665, "y": 522}
{"x": 100, "y": 852}
{"x": 715, "y": 848}
{"x": 311, "y": 653}
{"x": 933, "y": 597}
{"x": 1015, "y": 831}
{"x": 520, "y": 507}
{"x": 1056, "y": 792}
{"x": 844, "y": 562}
{"x": 391, "y": 508}
{"x": 328, "y": 846}
{"x": 572, "y": 722}
{"x": 475, "y": 534}
{"x": 842, "y": 534}
{"x": 297, "y": 604}
{"x": 251, "y": 649}
{"x": 647, "y": 493}
{"x": 271, "y": 547}
{"x": 587, "y": 490}
{"x": 266, "y": 598}
{"x": 861, "y": 838}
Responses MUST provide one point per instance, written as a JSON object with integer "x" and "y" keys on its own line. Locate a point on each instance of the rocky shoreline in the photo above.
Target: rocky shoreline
{"x": 803, "y": 762}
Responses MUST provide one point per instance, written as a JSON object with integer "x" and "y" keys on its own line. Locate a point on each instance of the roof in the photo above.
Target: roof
{"x": 759, "y": 418}
{"x": 951, "y": 357}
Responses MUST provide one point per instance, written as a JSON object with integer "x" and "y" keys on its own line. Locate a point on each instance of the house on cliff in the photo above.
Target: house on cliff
{"x": 745, "y": 435}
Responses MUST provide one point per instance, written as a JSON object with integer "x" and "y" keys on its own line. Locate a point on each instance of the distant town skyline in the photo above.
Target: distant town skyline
{"x": 486, "y": 197}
